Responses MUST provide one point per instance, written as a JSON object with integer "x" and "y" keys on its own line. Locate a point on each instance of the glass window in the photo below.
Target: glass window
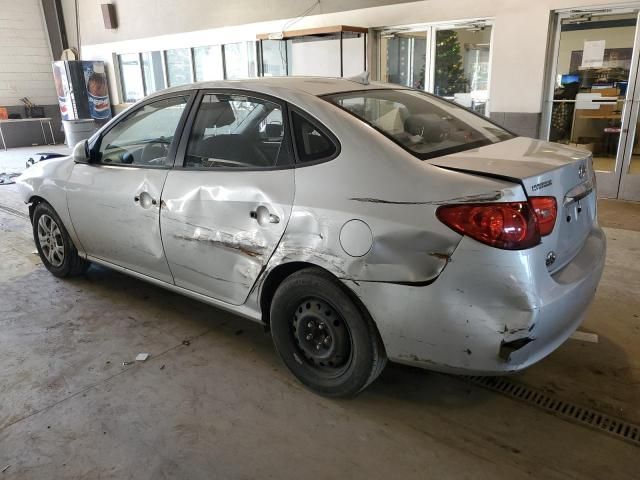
{"x": 423, "y": 124}
{"x": 179, "y": 66}
{"x": 240, "y": 60}
{"x": 152, "y": 70}
{"x": 311, "y": 143}
{"x": 461, "y": 66}
{"x": 274, "y": 58}
{"x": 207, "y": 62}
{"x": 144, "y": 137}
{"x": 237, "y": 131}
{"x": 131, "y": 77}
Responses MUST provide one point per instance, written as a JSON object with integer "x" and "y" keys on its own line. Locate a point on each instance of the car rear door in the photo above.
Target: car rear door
{"x": 227, "y": 202}
{"x": 114, "y": 203}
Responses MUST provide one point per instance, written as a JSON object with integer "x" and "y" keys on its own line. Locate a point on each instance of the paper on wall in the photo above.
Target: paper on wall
{"x": 593, "y": 54}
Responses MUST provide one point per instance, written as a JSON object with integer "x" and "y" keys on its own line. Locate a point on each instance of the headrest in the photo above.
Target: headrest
{"x": 429, "y": 126}
{"x": 215, "y": 114}
{"x": 273, "y": 130}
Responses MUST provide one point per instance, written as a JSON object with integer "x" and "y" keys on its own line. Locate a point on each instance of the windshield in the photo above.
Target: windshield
{"x": 424, "y": 125}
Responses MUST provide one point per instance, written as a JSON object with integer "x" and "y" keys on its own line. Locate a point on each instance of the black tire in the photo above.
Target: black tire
{"x": 309, "y": 306}
{"x": 66, "y": 264}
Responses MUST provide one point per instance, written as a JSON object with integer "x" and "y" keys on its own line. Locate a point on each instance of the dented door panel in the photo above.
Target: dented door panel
{"x": 114, "y": 215}
{"x": 215, "y": 245}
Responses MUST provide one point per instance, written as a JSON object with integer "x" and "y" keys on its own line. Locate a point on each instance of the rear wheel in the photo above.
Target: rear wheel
{"x": 57, "y": 252}
{"x": 322, "y": 335}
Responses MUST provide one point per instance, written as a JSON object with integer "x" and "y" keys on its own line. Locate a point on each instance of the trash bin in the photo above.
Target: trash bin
{"x": 78, "y": 130}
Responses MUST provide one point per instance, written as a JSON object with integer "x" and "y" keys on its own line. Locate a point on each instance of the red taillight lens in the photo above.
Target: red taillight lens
{"x": 511, "y": 226}
{"x": 546, "y": 210}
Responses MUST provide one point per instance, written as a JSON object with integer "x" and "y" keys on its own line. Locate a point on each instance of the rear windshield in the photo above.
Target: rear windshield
{"x": 423, "y": 124}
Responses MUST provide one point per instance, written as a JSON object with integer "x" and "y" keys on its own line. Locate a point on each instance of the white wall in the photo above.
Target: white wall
{"x": 25, "y": 55}
{"x": 520, "y": 35}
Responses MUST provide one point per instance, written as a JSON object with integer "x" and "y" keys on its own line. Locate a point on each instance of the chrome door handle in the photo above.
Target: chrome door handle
{"x": 263, "y": 216}
{"x": 145, "y": 200}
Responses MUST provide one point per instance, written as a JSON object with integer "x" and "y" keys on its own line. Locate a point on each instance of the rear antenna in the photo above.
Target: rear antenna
{"x": 361, "y": 78}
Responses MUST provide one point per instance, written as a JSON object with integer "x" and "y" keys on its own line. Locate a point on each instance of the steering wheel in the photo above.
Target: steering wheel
{"x": 154, "y": 152}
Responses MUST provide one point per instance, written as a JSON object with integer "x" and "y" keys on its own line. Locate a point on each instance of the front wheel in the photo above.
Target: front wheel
{"x": 323, "y": 337}
{"x": 57, "y": 252}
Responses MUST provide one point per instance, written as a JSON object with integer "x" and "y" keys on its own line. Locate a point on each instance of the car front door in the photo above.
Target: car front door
{"x": 227, "y": 201}
{"x": 114, "y": 201}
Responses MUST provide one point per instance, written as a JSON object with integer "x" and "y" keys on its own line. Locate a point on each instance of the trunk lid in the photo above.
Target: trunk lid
{"x": 543, "y": 169}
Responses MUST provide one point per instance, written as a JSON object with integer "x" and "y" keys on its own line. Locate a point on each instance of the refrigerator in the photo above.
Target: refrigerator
{"x": 83, "y": 90}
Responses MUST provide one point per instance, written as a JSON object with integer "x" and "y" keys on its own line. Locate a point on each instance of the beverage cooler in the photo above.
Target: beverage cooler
{"x": 83, "y": 97}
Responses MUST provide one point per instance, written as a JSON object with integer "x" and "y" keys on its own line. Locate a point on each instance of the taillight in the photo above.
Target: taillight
{"x": 546, "y": 210}
{"x": 510, "y": 226}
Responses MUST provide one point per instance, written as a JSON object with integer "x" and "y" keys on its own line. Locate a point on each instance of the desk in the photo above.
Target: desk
{"x": 29, "y": 120}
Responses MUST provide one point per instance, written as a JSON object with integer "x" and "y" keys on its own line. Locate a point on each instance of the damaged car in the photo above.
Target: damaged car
{"x": 358, "y": 221}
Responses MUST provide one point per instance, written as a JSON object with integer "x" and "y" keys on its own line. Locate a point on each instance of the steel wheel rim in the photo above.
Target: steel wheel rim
{"x": 322, "y": 340}
{"x": 50, "y": 240}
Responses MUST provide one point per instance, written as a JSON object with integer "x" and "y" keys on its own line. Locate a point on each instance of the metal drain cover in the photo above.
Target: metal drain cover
{"x": 567, "y": 410}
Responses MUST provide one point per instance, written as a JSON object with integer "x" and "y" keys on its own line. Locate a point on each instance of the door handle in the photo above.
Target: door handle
{"x": 145, "y": 200}
{"x": 263, "y": 216}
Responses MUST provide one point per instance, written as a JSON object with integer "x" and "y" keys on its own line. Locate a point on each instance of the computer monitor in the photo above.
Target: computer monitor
{"x": 569, "y": 78}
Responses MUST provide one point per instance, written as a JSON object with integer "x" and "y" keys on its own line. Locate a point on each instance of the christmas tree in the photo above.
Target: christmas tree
{"x": 449, "y": 74}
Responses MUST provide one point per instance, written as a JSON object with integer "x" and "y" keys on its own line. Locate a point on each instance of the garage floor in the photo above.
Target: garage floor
{"x": 214, "y": 401}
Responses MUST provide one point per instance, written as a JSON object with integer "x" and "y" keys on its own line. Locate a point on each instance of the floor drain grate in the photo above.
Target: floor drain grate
{"x": 13, "y": 211}
{"x": 567, "y": 410}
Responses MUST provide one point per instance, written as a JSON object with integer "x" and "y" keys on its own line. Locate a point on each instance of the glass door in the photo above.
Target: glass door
{"x": 403, "y": 58}
{"x": 630, "y": 170}
{"x": 593, "y": 85}
{"x": 461, "y": 61}
{"x": 452, "y": 60}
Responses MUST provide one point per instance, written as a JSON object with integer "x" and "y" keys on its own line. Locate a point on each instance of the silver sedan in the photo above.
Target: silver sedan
{"x": 358, "y": 221}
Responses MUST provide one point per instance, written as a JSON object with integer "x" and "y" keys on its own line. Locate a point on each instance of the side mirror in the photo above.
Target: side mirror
{"x": 81, "y": 152}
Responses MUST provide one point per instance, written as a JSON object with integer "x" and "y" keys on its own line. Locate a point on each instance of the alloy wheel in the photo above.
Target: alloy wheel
{"x": 50, "y": 240}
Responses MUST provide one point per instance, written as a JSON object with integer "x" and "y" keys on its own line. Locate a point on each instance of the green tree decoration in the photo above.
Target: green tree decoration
{"x": 449, "y": 74}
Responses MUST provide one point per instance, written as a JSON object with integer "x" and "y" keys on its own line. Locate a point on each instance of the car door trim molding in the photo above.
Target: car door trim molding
{"x": 181, "y": 151}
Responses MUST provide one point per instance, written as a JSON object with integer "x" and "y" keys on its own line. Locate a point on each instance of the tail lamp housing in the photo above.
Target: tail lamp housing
{"x": 505, "y": 225}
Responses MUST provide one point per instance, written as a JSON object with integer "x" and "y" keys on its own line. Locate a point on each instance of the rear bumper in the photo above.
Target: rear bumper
{"x": 490, "y": 312}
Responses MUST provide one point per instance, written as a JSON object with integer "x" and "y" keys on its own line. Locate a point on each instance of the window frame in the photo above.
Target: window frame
{"x": 95, "y": 142}
{"x": 180, "y": 157}
{"x": 320, "y": 126}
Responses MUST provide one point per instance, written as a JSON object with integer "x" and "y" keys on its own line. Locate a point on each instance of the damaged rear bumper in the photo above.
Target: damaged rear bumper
{"x": 490, "y": 311}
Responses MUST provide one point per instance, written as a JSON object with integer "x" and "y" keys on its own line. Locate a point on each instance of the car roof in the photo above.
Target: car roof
{"x": 310, "y": 85}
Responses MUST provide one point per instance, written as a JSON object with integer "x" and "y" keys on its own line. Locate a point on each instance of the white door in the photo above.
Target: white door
{"x": 114, "y": 201}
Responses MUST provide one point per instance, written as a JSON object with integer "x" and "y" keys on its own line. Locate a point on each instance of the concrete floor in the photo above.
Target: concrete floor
{"x": 224, "y": 406}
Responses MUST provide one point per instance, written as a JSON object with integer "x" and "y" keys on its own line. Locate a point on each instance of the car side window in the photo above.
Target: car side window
{"x": 312, "y": 144}
{"x": 237, "y": 131}
{"x": 143, "y": 138}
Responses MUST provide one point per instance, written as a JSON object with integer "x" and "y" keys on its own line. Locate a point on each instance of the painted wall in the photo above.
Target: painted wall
{"x": 520, "y": 36}
{"x": 25, "y": 55}
{"x": 148, "y": 18}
